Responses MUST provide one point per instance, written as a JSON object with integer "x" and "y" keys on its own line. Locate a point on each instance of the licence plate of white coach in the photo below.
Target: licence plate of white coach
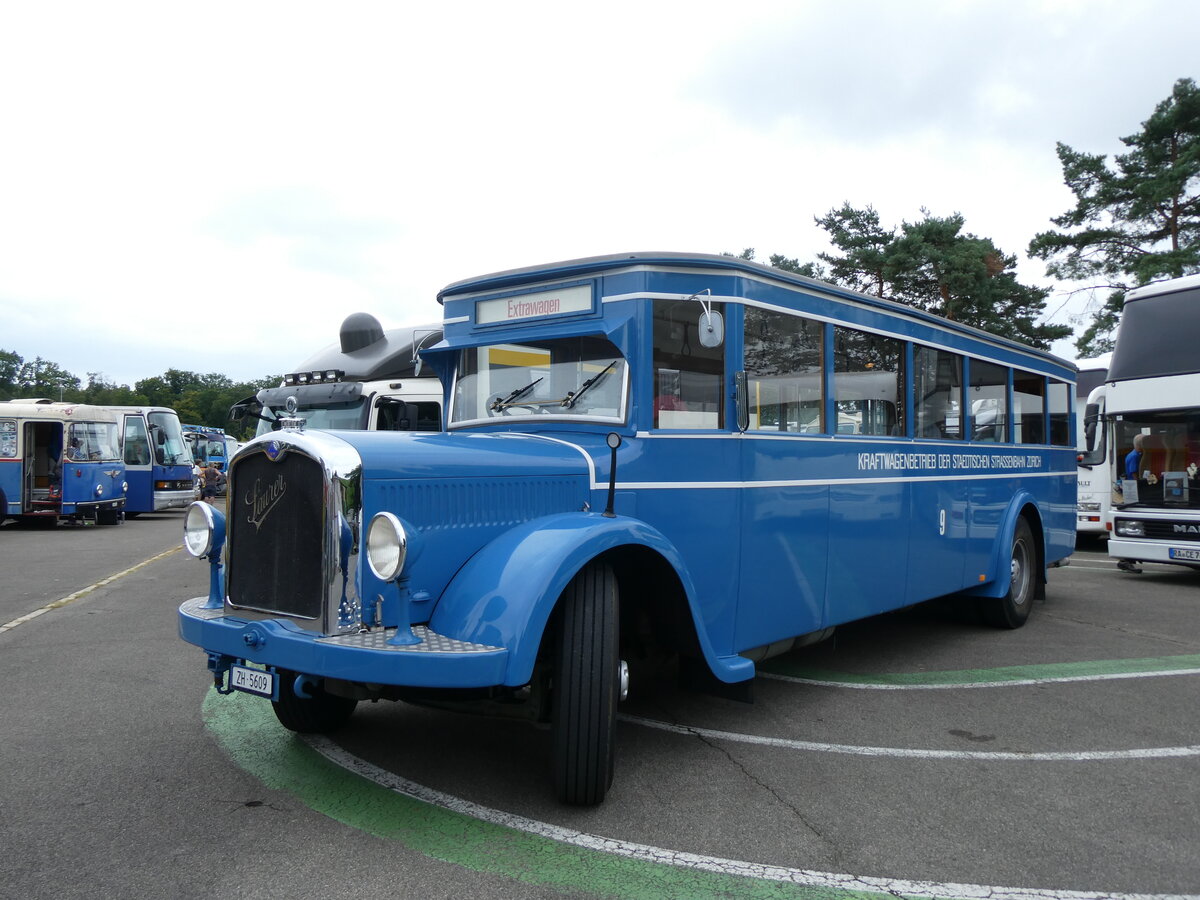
{"x": 252, "y": 681}
{"x": 1185, "y": 554}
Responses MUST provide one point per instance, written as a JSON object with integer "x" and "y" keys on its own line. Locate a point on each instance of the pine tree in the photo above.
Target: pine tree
{"x": 934, "y": 266}
{"x": 1133, "y": 224}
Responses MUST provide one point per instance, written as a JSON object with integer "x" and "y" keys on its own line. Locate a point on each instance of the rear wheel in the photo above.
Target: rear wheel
{"x": 318, "y": 714}
{"x": 586, "y": 687}
{"x": 1011, "y": 610}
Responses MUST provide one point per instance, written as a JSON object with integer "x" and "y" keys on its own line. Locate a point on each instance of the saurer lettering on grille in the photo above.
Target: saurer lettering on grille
{"x": 263, "y": 498}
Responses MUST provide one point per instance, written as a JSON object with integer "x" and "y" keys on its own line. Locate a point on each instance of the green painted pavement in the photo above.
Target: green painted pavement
{"x": 248, "y": 731}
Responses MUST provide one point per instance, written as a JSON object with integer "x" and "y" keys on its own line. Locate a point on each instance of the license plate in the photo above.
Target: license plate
{"x": 1188, "y": 554}
{"x": 252, "y": 681}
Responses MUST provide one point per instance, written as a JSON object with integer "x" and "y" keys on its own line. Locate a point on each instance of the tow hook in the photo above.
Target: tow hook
{"x": 218, "y": 664}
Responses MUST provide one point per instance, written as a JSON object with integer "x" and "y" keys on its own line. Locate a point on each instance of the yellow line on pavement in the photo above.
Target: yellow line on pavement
{"x": 82, "y": 592}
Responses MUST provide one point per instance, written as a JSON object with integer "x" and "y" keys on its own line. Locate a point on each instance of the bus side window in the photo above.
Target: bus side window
{"x": 784, "y": 371}
{"x": 868, "y": 383}
{"x": 989, "y": 401}
{"x": 688, "y": 377}
{"x": 1029, "y": 405}
{"x": 1058, "y": 403}
{"x": 428, "y": 417}
{"x": 937, "y": 380}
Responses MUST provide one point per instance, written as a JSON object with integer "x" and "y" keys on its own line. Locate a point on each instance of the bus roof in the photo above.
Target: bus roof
{"x": 595, "y": 265}
{"x": 365, "y": 352}
{"x": 73, "y": 411}
{"x": 1159, "y": 332}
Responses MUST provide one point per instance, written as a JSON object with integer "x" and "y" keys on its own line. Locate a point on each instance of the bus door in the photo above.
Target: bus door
{"x": 41, "y": 490}
{"x": 10, "y": 470}
{"x": 136, "y": 450}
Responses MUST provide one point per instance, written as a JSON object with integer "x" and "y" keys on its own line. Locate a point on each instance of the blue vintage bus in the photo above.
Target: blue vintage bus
{"x": 207, "y": 444}
{"x": 652, "y": 453}
{"x": 158, "y": 461}
{"x": 60, "y": 461}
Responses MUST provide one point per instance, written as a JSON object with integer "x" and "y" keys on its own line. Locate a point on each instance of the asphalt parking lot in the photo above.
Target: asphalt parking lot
{"x": 918, "y": 753}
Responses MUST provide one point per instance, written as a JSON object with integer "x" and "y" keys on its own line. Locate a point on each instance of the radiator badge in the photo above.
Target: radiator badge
{"x": 263, "y": 498}
{"x": 274, "y": 450}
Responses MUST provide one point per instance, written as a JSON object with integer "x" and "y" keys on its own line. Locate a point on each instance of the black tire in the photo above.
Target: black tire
{"x": 320, "y": 715}
{"x": 1011, "y": 610}
{"x": 586, "y": 687}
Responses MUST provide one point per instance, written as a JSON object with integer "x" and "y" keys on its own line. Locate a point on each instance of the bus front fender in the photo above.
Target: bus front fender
{"x": 1000, "y": 566}
{"x": 505, "y": 593}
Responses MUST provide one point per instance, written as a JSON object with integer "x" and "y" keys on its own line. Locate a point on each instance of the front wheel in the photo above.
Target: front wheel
{"x": 1011, "y": 610}
{"x": 586, "y": 687}
{"x": 319, "y": 713}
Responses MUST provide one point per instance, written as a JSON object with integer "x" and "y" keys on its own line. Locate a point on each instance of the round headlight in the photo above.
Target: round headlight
{"x": 387, "y": 546}
{"x": 99, "y": 490}
{"x": 198, "y": 528}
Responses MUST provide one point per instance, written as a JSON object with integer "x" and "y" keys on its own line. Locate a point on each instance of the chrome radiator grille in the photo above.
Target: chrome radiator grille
{"x": 276, "y": 535}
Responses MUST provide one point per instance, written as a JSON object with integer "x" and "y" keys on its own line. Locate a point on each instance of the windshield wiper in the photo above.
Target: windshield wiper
{"x": 499, "y": 404}
{"x": 569, "y": 401}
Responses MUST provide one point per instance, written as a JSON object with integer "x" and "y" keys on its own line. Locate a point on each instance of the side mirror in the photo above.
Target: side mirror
{"x": 712, "y": 329}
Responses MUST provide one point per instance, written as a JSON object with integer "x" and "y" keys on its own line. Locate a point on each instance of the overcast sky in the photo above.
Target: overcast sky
{"x": 215, "y": 187}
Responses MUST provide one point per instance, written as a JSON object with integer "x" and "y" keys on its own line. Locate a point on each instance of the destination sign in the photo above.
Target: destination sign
{"x": 531, "y": 306}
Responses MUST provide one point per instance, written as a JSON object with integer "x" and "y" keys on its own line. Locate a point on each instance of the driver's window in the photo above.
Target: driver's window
{"x": 688, "y": 377}
{"x": 137, "y": 444}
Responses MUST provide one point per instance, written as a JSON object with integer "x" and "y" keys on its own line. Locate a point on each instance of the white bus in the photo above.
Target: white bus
{"x": 1153, "y": 412}
{"x": 371, "y": 380}
{"x": 1094, "y": 485}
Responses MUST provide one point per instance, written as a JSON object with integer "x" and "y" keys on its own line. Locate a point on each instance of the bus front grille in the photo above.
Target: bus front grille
{"x": 1172, "y": 531}
{"x": 276, "y": 535}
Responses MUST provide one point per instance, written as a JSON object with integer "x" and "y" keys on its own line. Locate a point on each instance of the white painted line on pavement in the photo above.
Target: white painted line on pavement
{"x": 665, "y": 856}
{"x": 914, "y": 753}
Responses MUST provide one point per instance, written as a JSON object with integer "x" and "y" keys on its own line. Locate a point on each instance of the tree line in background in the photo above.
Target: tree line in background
{"x": 1134, "y": 221}
{"x": 198, "y": 399}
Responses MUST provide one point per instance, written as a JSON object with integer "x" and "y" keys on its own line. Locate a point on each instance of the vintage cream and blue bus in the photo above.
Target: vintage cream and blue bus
{"x": 60, "y": 461}
{"x": 158, "y": 461}
{"x": 647, "y": 454}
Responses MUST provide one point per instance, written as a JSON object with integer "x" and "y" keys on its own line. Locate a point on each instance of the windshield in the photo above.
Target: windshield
{"x": 1157, "y": 458}
{"x": 92, "y": 441}
{"x": 170, "y": 449}
{"x": 350, "y": 416}
{"x": 563, "y": 378}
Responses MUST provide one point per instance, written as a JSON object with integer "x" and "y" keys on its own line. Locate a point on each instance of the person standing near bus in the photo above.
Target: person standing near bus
{"x": 212, "y": 480}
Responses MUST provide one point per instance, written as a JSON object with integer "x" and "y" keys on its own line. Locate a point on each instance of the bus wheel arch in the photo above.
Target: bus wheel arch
{"x": 1026, "y": 575}
{"x": 625, "y": 609}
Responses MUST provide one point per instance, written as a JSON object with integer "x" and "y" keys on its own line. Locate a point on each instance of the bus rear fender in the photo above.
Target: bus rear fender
{"x": 504, "y": 595}
{"x": 1023, "y": 504}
